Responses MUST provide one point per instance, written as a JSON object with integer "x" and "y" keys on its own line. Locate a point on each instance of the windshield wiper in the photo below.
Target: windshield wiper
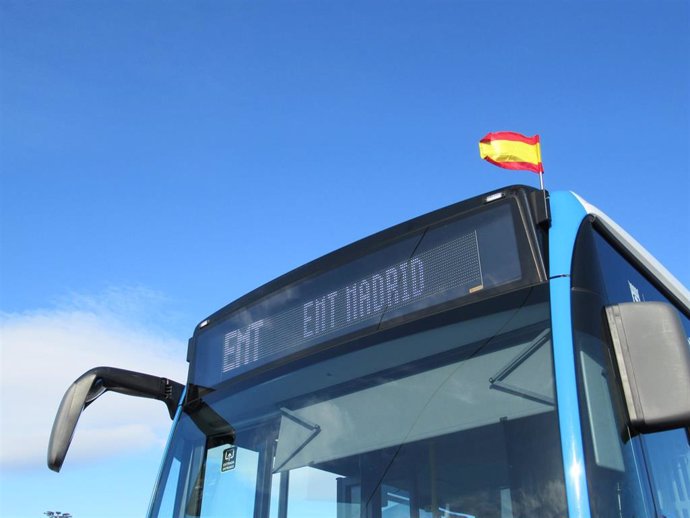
{"x": 497, "y": 380}
{"x": 298, "y": 431}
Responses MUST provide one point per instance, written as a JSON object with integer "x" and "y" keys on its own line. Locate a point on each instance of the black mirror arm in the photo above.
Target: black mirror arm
{"x": 92, "y": 384}
{"x": 136, "y": 384}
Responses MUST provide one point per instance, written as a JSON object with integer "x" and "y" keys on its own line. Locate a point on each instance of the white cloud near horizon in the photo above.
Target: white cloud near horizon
{"x": 44, "y": 351}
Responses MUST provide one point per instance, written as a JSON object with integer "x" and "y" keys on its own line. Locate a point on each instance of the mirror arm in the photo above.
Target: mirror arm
{"x": 91, "y": 385}
{"x": 137, "y": 384}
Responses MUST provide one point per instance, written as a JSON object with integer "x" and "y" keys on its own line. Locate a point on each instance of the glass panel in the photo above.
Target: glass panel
{"x": 167, "y": 505}
{"x": 616, "y": 477}
{"x": 439, "y": 401}
{"x": 312, "y": 493}
{"x": 229, "y": 482}
{"x": 396, "y": 502}
{"x": 669, "y": 458}
{"x": 454, "y": 420}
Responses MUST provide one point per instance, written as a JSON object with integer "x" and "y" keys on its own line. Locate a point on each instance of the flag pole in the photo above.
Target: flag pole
{"x": 541, "y": 181}
{"x": 541, "y": 166}
{"x": 543, "y": 192}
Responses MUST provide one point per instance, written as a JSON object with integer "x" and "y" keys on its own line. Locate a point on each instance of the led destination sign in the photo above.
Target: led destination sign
{"x": 329, "y": 313}
{"x": 418, "y": 271}
{"x": 453, "y": 265}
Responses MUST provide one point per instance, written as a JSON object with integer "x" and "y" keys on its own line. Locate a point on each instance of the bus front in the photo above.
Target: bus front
{"x": 407, "y": 375}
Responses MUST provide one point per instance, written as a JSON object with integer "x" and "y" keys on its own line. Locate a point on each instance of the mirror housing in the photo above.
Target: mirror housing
{"x": 652, "y": 356}
{"x": 92, "y": 384}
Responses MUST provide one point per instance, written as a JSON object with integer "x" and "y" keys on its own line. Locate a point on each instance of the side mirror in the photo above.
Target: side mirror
{"x": 652, "y": 355}
{"x": 92, "y": 384}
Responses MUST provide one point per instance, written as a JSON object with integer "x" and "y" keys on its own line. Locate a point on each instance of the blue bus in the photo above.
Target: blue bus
{"x": 514, "y": 355}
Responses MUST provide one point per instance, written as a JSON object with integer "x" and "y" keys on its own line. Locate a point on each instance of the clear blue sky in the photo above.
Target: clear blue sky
{"x": 160, "y": 159}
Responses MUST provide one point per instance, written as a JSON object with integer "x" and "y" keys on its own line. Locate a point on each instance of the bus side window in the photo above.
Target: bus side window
{"x": 615, "y": 468}
{"x": 668, "y": 457}
{"x": 602, "y": 420}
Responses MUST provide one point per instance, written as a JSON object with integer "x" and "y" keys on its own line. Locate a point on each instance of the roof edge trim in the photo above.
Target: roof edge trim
{"x": 639, "y": 252}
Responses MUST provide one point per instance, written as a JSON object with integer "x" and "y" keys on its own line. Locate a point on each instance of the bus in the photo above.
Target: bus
{"x": 513, "y": 355}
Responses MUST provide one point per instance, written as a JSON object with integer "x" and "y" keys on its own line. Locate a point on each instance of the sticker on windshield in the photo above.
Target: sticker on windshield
{"x": 229, "y": 458}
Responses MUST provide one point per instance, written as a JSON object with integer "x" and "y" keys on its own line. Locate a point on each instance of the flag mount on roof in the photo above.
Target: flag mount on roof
{"x": 511, "y": 150}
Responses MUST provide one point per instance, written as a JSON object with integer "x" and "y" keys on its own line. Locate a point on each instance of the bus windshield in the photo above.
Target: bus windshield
{"x": 453, "y": 415}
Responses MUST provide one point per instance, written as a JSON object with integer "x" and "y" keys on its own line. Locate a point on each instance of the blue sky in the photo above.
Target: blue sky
{"x": 160, "y": 159}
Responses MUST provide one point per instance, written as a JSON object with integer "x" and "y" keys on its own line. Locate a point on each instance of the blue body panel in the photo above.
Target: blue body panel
{"x": 567, "y": 215}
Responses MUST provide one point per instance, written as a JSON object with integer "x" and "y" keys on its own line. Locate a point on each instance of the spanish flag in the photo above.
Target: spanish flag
{"x": 512, "y": 151}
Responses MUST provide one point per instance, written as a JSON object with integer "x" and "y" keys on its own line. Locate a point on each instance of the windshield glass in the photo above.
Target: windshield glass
{"x": 451, "y": 418}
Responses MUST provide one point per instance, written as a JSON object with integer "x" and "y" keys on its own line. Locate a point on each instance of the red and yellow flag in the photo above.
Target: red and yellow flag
{"x": 512, "y": 151}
